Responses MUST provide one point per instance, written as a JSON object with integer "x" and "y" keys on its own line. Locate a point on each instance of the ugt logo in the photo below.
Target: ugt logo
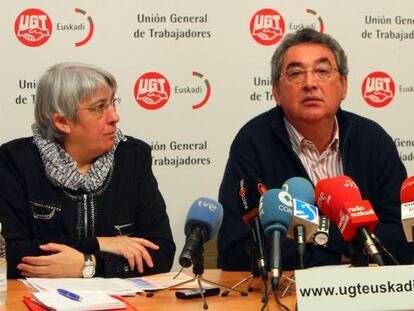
{"x": 378, "y": 89}
{"x": 267, "y": 26}
{"x": 152, "y": 90}
{"x": 33, "y": 27}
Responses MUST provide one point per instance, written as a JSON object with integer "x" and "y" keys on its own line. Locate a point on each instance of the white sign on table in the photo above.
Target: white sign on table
{"x": 357, "y": 288}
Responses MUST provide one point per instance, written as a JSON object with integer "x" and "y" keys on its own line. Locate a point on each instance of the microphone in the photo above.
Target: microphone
{"x": 407, "y": 207}
{"x": 300, "y": 188}
{"x": 250, "y": 191}
{"x": 276, "y": 211}
{"x": 202, "y": 223}
{"x": 321, "y": 236}
{"x": 305, "y": 221}
{"x": 331, "y": 193}
{"x": 340, "y": 199}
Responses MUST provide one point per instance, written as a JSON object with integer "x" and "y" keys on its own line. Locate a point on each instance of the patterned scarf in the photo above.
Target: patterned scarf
{"x": 62, "y": 170}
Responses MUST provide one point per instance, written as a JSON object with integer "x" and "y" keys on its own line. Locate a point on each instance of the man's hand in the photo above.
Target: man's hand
{"x": 64, "y": 261}
{"x": 133, "y": 249}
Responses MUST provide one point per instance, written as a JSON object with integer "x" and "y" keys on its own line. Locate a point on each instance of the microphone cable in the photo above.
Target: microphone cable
{"x": 384, "y": 250}
{"x": 278, "y": 302}
{"x": 265, "y": 296}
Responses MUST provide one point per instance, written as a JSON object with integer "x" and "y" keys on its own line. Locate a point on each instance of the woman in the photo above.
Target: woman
{"x": 79, "y": 198}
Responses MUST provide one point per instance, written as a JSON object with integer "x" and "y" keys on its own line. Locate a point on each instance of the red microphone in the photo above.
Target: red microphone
{"x": 407, "y": 190}
{"x": 407, "y": 207}
{"x": 339, "y": 198}
{"x": 331, "y": 193}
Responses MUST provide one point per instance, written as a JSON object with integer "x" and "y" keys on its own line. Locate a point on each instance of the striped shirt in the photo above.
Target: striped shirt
{"x": 317, "y": 165}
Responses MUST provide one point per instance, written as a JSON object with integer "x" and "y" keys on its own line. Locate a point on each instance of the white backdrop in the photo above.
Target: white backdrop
{"x": 157, "y": 45}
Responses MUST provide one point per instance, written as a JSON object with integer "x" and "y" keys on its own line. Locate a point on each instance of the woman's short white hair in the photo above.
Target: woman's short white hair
{"x": 60, "y": 90}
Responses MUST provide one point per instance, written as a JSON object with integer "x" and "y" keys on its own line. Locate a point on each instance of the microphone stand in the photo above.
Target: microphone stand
{"x": 287, "y": 288}
{"x": 251, "y": 277}
{"x": 198, "y": 270}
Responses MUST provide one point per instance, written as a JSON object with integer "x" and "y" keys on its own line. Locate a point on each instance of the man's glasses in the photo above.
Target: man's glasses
{"x": 100, "y": 107}
{"x": 320, "y": 73}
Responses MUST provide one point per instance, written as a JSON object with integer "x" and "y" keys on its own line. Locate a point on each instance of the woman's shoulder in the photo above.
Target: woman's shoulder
{"x": 135, "y": 147}
{"x": 19, "y": 145}
{"x": 20, "y": 152}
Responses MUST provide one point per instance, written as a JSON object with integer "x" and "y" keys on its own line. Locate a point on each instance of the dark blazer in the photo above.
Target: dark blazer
{"x": 33, "y": 211}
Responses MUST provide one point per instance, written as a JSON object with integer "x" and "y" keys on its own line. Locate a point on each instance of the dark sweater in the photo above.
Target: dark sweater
{"x": 262, "y": 149}
{"x": 33, "y": 211}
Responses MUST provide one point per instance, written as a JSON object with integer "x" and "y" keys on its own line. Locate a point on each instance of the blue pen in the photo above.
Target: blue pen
{"x": 68, "y": 294}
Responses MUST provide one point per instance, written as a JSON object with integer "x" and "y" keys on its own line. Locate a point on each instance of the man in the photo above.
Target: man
{"x": 308, "y": 135}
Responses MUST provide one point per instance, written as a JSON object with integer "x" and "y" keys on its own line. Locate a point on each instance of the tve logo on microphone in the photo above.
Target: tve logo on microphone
{"x": 305, "y": 210}
{"x": 207, "y": 204}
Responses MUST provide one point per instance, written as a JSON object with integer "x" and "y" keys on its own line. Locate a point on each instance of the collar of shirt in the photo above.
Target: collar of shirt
{"x": 299, "y": 142}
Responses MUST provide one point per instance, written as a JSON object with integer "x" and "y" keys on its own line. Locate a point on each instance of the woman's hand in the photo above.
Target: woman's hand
{"x": 133, "y": 249}
{"x": 64, "y": 261}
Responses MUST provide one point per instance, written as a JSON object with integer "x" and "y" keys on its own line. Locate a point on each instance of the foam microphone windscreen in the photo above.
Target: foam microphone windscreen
{"x": 332, "y": 193}
{"x": 300, "y": 188}
{"x": 276, "y": 211}
{"x": 407, "y": 190}
{"x": 407, "y": 207}
{"x": 207, "y": 213}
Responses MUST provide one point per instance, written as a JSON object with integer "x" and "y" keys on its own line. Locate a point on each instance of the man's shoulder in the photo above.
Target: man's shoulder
{"x": 359, "y": 121}
{"x": 260, "y": 122}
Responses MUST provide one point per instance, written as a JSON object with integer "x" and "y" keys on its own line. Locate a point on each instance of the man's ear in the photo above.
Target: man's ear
{"x": 344, "y": 81}
{"x": 61, "y": 123}
{"x": 275, "y": 93}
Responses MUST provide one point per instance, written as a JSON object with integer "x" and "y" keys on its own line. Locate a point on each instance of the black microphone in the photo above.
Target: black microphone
{"x": 250, "y": 191}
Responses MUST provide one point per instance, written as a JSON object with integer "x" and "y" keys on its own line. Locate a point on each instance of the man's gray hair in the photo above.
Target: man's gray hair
{"x": 60, "y": 90}
{"x": 307, "y": 36}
